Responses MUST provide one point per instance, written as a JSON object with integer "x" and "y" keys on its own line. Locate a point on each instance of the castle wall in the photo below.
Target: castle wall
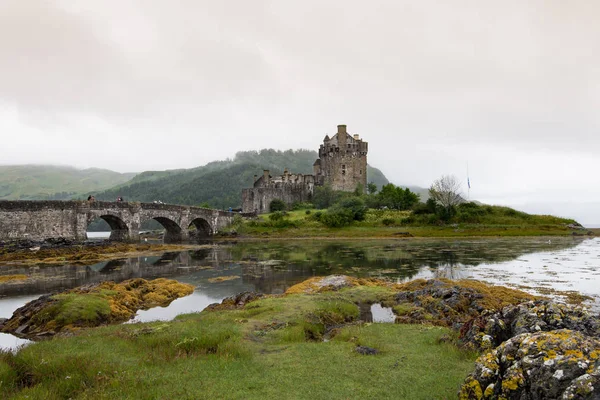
{"x": 342, "y": 164}
{"x": 343, "y": 161}
{"x": 258, "y": 199}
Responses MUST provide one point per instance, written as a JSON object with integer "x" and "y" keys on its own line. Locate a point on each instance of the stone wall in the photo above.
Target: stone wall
{"x": 343, "y": 161}
{"x": 258, "y": 199}
{"x": 39, "y": 220}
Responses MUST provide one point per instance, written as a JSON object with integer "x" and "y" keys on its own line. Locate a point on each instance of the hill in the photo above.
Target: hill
{"x": 51, "y": 182}
{"x": 219, "y": 183}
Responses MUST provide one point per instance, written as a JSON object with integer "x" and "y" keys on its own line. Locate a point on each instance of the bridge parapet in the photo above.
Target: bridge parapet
{"x": 43, "y": 219}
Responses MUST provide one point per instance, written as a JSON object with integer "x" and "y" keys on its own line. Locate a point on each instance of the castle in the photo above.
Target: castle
{"x": 342, "y": 164}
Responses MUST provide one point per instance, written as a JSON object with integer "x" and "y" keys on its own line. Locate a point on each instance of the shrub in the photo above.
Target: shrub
{"x": 302, "y": 206}
{"x": 276, "y": 216}
{"x": 276, "y": 205}
{"x": 307, "y": 212}
{"x": 337, "y": 217}
{"x": 356, "y": 206}
{"x": 388, "y": 221}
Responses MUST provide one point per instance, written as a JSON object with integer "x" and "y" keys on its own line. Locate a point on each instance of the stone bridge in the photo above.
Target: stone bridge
{"x": 39, "y": 220}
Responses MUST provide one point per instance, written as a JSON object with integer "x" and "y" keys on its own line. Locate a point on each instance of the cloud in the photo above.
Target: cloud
{"x": 511, "y": 87}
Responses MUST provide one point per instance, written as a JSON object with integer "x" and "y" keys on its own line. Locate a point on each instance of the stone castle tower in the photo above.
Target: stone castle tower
{"x": 342, "y": 161}
{"x": 342, "y": 164}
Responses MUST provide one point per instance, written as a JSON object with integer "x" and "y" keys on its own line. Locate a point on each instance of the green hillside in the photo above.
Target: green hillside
{"x": 50, "y": 182}
{"x": 218, "y": 183}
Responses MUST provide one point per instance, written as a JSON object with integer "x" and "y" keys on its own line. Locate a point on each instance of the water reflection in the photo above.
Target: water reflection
{"x": 222, "y": 270}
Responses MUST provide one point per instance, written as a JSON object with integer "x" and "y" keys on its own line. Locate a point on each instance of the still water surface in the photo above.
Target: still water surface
{"x": 222, "y": 270}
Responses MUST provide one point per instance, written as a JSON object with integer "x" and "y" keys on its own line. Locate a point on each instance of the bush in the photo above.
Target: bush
{"x": 276, "y": 205}
{"x": 388, "y": 221}
{"x": 276, "y": 216}
{"x": 302, "y": 206}
{"x": 356, "y": 206}
{"x": 307, "y": 212}
{"x": 337, "y": 217}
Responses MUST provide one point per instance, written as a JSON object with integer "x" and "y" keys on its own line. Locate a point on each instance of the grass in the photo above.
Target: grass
{"x": 493, "y": 221}
{"x": 271, "y": 348}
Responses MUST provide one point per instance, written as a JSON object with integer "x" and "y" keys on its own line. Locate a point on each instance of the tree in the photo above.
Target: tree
{"x": 360, "y": 190}
{"x": 396, "y": 198}
{"x": 446, "y": 192}
{"x": 276, "y": 205}
{"x": 371, "y": 187}
{"x": 323, "y": 197}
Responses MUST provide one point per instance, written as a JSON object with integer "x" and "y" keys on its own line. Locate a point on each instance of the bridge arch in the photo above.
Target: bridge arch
{"x": 173, "y": 232}
{"x": 200, "y": 228}
{"x": 118, "y": 228}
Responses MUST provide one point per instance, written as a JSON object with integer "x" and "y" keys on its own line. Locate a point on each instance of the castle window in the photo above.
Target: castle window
{"x": 360, "y": 172}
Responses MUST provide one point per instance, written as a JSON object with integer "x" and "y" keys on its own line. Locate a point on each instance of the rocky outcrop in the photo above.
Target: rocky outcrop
{"x": 451, "y": 303}
{"x": 332, "y": 283}
{"x": 560, "y": 364}
{"x": 91, "y": 305}
{"x": 237, "y": 301}
{"x": 488, "y": 331}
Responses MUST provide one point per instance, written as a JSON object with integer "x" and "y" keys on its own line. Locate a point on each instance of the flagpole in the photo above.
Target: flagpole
{"x": 468, "y": 184}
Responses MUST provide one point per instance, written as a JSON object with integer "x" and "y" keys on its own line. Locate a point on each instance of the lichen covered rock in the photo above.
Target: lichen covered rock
{"x": 489, "y": 330}
{"x": 451, "y": 303}
{"x": 237, "y": 301}
{"x": 332, "y": 283}
{"x": 92, "y": 305}
{"x": 560, "y": 364}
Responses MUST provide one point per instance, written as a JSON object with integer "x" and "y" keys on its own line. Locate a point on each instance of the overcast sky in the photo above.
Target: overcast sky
{"x": 511, "y": 88}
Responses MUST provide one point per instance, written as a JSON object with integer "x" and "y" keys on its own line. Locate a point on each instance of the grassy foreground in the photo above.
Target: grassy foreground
{"x": 274, "y": 347}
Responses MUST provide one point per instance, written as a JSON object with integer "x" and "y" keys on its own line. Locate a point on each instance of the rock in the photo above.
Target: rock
{"x": 237, "y": 301}
{"x": 543, "y": 365}
{"x": 488, "y": 331}
{"x": 366, "y": 351}
{"x": 335, "y": 282}
{"x": 327, "y": 283}
{"x": 403, "y": 234}
{"x": 111, "y": 303}
{"x": 440, "y": 303}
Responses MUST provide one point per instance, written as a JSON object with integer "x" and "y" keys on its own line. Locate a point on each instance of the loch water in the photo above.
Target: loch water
{"x": 219, "y": 270}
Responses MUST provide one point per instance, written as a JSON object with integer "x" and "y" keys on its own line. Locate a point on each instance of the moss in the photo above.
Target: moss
{"x": 105, "y": 303}
{"x": 403, "y": 309}
{"x": 314, "y": 285}
{"x": 223, "y": 278}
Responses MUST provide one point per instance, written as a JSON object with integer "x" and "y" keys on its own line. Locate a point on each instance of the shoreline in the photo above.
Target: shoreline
{"x": 86, "y": 253}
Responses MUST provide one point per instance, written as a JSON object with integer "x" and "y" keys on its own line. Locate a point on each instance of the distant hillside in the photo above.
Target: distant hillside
{"x": 49, "y": 182}
{"x": 218, "y": 183}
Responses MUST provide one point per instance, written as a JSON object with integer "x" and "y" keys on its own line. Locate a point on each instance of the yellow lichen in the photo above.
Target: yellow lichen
{"x": 471, "y": 390}
{"x": 223, "y": 278}
{"x": 314, "y": 284}
{"x": 512, "y": 382}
